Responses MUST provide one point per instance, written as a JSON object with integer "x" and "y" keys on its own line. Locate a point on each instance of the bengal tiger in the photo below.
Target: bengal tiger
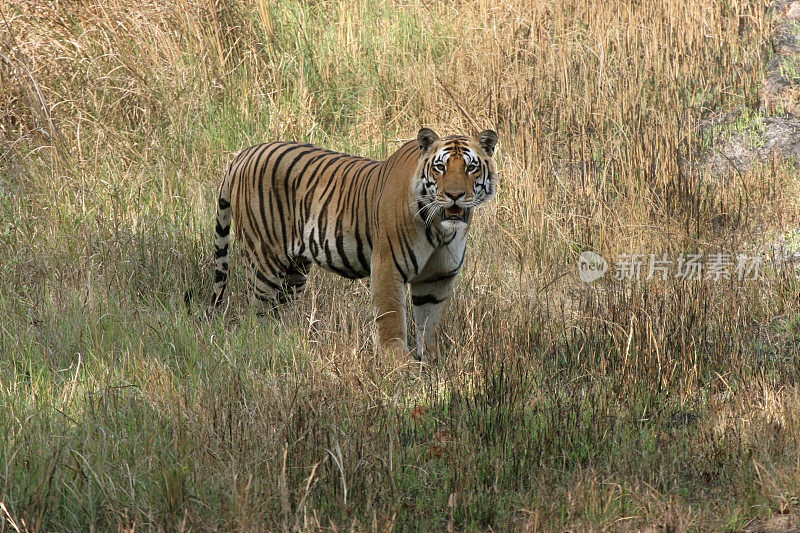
{"x": 401, "y": 221}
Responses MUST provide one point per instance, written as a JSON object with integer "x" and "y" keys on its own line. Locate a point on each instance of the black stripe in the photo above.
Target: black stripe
{"x": 223, "y": 231}
{"x": 349, "y": 274}
{"x": 322, "y": 221}
{"x": 270, "y": 224}
{"x": 265, "y": 280}
{"x": 224, "y": 204}
{"x": 396, "y": 263}
{"x": 351, "y": 206}
{"x": 411, "y": 254}
{"x": 318, "y": 157}
{"x": 274, "y": 189}
{"x": 261, "y": 228}
{"x": 309, "y": 198}
{"x": 326, "y": 197}
{"x": 374, "y": 175}
{"x": 360, "y": 255}
{"x": 328, "y": 256}
{"x": 372, "y": 172}
{"x": 365, "y": 263}
{"x": 220, "y": 252}
{"x": 313, "y": 247}
{"x": 300, "y": 218}
{"x": 342, "y": 255}
{"x": 337, "y": 230}
{"x": 287, "y": 177}
{"x": 220, "y": 275}
{"x": 426, "y": 299}
{"x": 250, "y": 166}
{"x": 443, "y": 277}
{"x": 254, "y": 258}
{"x": 242, "y": 159}
{"x": 429, "y": 236}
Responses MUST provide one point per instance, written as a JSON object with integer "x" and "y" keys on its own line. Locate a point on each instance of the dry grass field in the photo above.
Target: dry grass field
{"x": 622, "y": 404}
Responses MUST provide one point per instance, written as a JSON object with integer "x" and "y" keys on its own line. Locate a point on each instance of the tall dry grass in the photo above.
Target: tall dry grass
{"x": 558, "y": 405}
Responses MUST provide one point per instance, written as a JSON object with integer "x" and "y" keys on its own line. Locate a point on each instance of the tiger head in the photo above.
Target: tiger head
{"x": 455, "y": 175}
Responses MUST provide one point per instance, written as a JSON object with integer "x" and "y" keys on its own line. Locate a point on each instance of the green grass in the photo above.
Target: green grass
{"x": 789, "y": 69}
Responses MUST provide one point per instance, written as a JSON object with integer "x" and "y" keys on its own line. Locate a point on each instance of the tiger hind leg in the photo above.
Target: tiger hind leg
{"x": 296, "y": 276}
{"x": 277, "y": 283}
{"x": 265, "y": 286}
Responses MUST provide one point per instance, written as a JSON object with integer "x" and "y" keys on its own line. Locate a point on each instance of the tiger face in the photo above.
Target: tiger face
{"x": 456, "y": 174}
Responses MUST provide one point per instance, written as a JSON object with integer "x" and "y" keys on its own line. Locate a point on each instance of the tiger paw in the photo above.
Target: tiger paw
{"x": 397, "y": 351}
{"x": 430, "y": 354}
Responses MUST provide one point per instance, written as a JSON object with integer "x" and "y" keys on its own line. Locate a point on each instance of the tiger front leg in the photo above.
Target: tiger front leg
{"x": 388, "y": 301}
{"x": 428, "y": 299}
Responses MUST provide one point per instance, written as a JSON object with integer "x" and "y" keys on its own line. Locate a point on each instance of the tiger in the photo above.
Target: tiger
{"x": 401, "y": 221}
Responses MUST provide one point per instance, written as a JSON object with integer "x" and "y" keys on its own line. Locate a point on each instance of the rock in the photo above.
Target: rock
{"x": 758, "y": 143}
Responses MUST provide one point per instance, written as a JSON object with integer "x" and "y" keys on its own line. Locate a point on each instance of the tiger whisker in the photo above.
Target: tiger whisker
{"x": 432, "y": 213}
{"x": 416, "y": 211}
{"x": 431, "y": 207}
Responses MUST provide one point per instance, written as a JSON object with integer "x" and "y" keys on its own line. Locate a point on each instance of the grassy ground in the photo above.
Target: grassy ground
{"x": 621, "y": 404}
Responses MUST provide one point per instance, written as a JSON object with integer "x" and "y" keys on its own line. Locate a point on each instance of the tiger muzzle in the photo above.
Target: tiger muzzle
{"x": 455, "y": 213}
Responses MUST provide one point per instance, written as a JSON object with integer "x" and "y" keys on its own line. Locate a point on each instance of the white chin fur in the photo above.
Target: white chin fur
{"x": 453, "y": 225}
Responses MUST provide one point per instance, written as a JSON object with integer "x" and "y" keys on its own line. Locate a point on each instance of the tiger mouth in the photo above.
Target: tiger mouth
{"x": 455, "y": 212}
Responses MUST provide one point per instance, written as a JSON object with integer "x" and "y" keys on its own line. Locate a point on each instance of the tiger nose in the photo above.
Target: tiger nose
{"x": 453, "y": 195}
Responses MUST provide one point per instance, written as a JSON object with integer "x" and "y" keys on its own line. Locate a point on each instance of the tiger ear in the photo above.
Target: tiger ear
{"x": 426, "y": 137}
{"x": 488, "y": 141}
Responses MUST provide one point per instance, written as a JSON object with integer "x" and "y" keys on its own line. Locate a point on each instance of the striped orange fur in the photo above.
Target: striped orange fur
{"x": 401, "y": 221}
